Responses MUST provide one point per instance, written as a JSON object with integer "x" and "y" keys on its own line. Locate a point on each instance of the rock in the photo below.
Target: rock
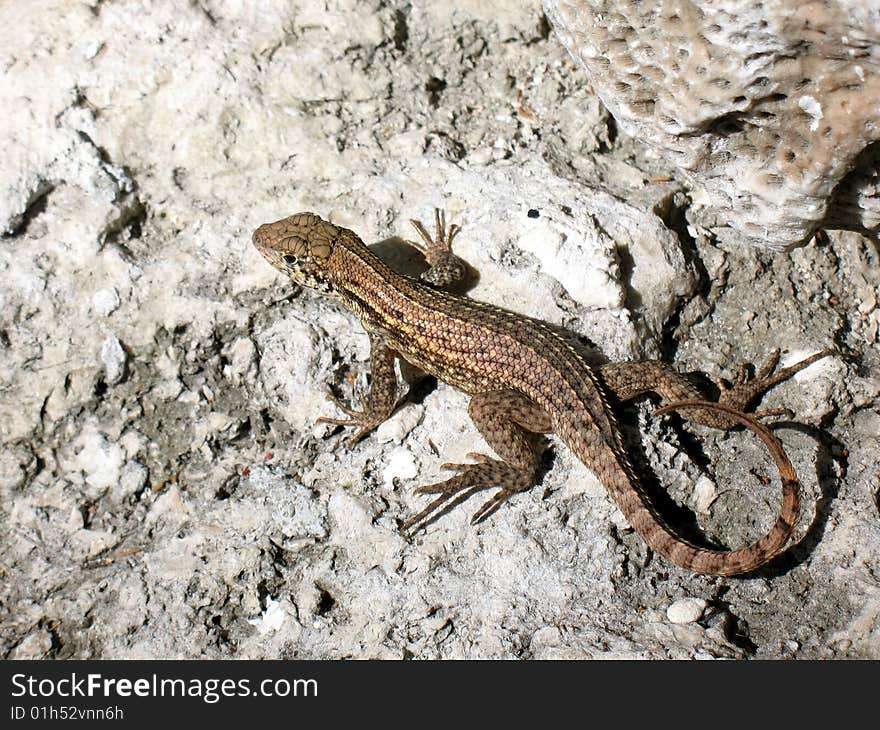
{"x": 400, "y": 425}
{"x": 106, "y": 301}
{"x": 114, "y": 358}
{"x": 197, "y": 479}
{"x": 100, "y": 460}
{"x": 401, "y": 464}
{"x": 686, "y": 610}
{"x": 243, "y": 357}
{"x": 36, "y": 645}
{"x": 769, "y": 109}
{"x": 132, "y": 479}
{"x": 705, "y": 492}
{"x": 272, "y": 619}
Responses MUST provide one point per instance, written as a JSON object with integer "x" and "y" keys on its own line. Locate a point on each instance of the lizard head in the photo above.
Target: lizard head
{"x": 300, "y": 246}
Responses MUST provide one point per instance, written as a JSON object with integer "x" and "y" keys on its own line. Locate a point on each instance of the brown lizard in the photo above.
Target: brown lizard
{"x": 523, "y": 378}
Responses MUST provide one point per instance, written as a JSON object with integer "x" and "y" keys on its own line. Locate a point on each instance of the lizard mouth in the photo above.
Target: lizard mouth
{"x": 258, "y": 238}
{"x": 261, "y": 245}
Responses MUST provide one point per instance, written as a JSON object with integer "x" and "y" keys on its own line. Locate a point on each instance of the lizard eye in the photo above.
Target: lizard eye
{"x": 289, "y": 259}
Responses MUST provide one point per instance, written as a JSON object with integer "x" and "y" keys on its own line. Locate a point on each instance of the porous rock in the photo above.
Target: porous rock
{"x": 768, "y": 108}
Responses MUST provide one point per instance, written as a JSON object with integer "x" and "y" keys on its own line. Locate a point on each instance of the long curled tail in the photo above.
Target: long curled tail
{"x": 747, "y": 559}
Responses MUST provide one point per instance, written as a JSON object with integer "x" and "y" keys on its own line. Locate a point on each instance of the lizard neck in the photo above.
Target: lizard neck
{"x": 368, "y": 286}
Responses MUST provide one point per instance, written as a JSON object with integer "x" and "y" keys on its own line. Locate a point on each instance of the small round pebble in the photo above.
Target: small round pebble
{"x": 686, "y": 610}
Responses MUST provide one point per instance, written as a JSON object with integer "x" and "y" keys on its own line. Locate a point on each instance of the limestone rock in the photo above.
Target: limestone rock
{"x": 768, "y": 108}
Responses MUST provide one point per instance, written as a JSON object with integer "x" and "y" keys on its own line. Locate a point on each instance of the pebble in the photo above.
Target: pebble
{"x": 243, "y": 356}
{"x": 705, "y": 493}
{"x": 113, "y": 357}
{"x": 132, "y": 479}
{"x": 401, "y": 465}
{"x": 105, "y": 301}
{"x": 686, "y": 610}
{"x": 271, "y": 619}
{"x": 398, "y": 427}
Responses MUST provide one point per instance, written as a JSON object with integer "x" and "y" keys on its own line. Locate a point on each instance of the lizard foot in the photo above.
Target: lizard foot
{"x": 447, "y": 271}
{"x": 366, "y": 420}
{"x": 441, "y": 244}
{"x": 487, "y": 473}
{"x": 747, "y": 389}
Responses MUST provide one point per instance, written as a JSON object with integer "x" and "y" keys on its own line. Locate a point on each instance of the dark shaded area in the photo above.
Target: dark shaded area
{"x": 35, "y": 207}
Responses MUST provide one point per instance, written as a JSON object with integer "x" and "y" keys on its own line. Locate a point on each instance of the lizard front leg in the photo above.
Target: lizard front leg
{"x": 506, "y": 419}
{"x": 628, "y": 380}
{"x": 380, "y": 402}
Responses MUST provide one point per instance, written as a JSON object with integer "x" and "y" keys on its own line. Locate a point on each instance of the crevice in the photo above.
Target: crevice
{"x": 35, "y": 206}
{"x": 543, "y": 31}
{"x": 400, "y": 34}
{"x": 672, "y": 210}
{"x": 326, "y": 602}
{"x": 854, "y": 204}
{"x": 435, "y": 87}
{"x": 127, "y": 227}
{"x": 736, "y": 630}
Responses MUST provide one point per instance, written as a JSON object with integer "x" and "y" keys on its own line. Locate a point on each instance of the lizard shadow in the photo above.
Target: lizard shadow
{"x": 684, "y": 521}
{"x": 404, "y": 259}
{"x": 679, "y": 517}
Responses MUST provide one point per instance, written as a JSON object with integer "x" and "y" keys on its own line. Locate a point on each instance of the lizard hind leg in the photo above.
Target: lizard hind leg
{"x": 630, "y": 379}
{"x": 447, "y": 271}
{"x": 506, "y": 419}
{"x": 746, "y": 389}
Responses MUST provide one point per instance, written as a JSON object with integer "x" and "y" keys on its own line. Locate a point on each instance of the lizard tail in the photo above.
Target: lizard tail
{"x": 662, "y": 539}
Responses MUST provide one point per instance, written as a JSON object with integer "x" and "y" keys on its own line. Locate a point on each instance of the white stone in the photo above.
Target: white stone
{"x": 100, "y": 460}
{"x": 401, "y": 465}
{"x": 243, "y": 355}
{"x": 105, "y": 301}
{"x": 133, "y": 477}
{"x": 691, "y": 79}
{"x": 400, "y": 425}
{"x": 113, "y": 357}
{"x": 589, "y": 281}
{"x": 705, "y": 493}
{"x": 272, "y": 618}
{"x": 812, "y": 107}
{"x": 686, "y": 610}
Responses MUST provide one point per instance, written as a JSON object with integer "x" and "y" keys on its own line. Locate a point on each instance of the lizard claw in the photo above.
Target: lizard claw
{"x": 436, "y": 509}
{"x": 487, "y": 473}
{"x": 747, "y": 389}
{"x": 362, "y": 418}
{"x": 447, "y": 271}
{"x": 350, "y": 412}
{"x": 492, "y": 505}
{"x": 743, "y": 375}
{"x": 441, "y": 242}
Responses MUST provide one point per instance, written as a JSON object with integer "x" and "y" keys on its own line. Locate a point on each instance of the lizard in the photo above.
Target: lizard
{"x": 523, "y": 378}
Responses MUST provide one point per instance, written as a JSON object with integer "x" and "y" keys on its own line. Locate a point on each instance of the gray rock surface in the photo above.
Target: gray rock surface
{"x": 768, "y": 108}
{"x": 164, "y": 490}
